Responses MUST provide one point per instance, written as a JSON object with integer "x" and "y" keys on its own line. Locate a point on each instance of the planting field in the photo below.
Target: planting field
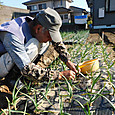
{"x": 89, "y": 94}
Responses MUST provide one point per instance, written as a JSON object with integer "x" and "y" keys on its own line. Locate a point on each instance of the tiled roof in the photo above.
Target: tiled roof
{"x": 62, "y": 9}
{"x": 34, "y": 1}
{"x": 73, "y": 8}
{"x": 37, "y": 1}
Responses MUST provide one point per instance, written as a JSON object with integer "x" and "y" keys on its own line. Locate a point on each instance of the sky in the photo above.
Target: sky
{"x": 18, "y": 3}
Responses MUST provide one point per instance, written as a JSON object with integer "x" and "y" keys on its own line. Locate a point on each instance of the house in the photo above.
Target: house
{"x": 102, "y": 13}
{"x": 63, "y": 7}
{"x": 77, "y": 12}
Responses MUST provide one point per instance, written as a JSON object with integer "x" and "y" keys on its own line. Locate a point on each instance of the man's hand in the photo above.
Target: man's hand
{"x": 68, "y": 74}
{"x": 71, "y": 66}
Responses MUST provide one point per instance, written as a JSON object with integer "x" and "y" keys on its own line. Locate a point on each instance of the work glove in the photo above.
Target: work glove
{"x": 35, "y": 73}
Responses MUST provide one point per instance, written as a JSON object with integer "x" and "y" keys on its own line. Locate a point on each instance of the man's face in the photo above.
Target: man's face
{"x": 42, "y": 35}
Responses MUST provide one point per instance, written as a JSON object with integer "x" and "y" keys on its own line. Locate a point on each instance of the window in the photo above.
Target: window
{"x": 66, "y": 16}
{"x": 110, "y": 5}
{"x": 61, "y": 17}
{"x": 42, "y": 6}
{"x": 29, "y": 7}
{"x": 32, "y": 8}
{"x": 107, "y": 5}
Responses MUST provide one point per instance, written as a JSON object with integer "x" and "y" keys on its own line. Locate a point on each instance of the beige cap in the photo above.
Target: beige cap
{"x": 51, "y": 20}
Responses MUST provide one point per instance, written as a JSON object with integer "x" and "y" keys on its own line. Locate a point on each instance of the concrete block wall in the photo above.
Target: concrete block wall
{"x": 7, "y": 13}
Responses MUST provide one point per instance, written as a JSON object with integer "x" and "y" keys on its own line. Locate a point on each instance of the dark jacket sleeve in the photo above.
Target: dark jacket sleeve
{"x": 61, "y": 49}
{"x": 35, "y": 73}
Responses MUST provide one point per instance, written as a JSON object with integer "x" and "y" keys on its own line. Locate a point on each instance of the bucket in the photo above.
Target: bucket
{"x": 89, "y": 66}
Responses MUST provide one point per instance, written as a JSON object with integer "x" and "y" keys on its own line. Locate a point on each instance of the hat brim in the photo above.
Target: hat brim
{"x": 56, "y": 36}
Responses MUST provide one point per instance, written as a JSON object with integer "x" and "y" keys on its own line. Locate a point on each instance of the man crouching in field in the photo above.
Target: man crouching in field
{"x": 22, "y": 39}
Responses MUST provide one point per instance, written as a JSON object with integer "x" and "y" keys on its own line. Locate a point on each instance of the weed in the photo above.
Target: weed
{"x": 81, "y": 51}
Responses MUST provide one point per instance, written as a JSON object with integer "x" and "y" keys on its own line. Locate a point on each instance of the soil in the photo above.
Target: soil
{"x": 109, "y": 41}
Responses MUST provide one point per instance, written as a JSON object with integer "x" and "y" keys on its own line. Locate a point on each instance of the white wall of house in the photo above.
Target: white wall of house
{"x": 59, "y": 4}
{"x": 53, "y": 4}
{"x": 67, "y": 4}
{"x": 49, "y": 4}
{"x": 63, "y": 3}
{"x": 36, "y": 6}
{"x": 65, "y": 18}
